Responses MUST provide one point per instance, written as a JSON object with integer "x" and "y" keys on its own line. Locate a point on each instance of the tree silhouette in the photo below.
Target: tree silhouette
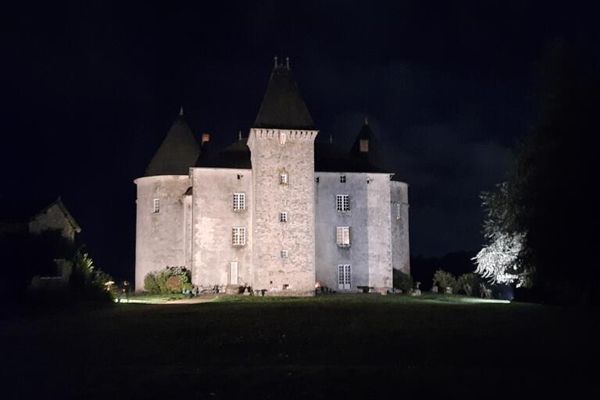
{"x": 553, "y": 183}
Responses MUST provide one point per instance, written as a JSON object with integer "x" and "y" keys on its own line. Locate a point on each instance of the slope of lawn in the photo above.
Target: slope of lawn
{"x": 323, "y": 347}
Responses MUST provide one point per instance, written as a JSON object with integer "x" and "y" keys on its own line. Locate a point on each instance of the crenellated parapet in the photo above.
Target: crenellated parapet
{"x": 283, "y": 135}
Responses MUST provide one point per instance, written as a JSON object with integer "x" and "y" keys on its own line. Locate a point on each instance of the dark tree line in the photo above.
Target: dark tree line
{"x": 551, "y": 190}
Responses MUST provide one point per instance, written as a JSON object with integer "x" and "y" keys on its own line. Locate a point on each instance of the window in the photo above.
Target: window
{"x": 364, "y": 146}
{"x": 342, "y": 236}
{"x": 283, "y": 178}
{"x": 239, "y": 201}
{"x": 317, "y": 179}
{"x": 344, "y": 276}
{"x": 284, "y": 254}
{"x": 156, "y": 206}
{"x": 342, "y": 178}
{"x": 398, "y": 210}
{"x": 283, "y": 216}
{"x": 238, "y": 236}
{"x": 342, "y": 202}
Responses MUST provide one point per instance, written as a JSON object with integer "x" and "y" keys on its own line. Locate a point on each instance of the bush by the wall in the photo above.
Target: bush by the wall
{"x": 150, "y": 283}
{"x": 169, "y": 280}
{"x": 402, "y": 281}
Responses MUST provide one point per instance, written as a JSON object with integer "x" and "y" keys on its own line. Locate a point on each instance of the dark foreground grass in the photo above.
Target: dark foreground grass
{"x": 325, "y": 347}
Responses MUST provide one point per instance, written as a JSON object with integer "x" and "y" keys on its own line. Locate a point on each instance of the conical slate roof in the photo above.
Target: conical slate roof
{"x": 177, "y": 153}
{"x": 236, "y": 155}
{"x": 282, "y": 106}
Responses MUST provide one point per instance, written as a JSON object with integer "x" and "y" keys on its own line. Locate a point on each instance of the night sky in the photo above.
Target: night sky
{"x": 90, "y": 90}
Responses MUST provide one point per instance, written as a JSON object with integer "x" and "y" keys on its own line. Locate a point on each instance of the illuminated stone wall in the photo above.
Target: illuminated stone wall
{"x": 213, "y": 219}
{"x": 371, "y": 230}
{"x": 159, "y": 236}
{"x": 274, "y": 152}
{"x": 329, "y": 254}
{"x": 400, "y": 232}
{"x": 379, "y": 231}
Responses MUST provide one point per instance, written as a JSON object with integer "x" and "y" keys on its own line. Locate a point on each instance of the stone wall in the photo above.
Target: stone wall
{"x": 329, "y": 254}
{"x": 400, "y": 231}
{"x": 159, "y": 235}
{"x": 213, "y": 220}
{"x": 274, "y": 152}
{"x": 369, "y": 254}
{"x": 379, "y": 231}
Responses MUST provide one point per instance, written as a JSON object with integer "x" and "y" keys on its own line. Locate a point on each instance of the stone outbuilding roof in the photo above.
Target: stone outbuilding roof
{"x": 178, "y": 152}
{"x": 18, "y": 213}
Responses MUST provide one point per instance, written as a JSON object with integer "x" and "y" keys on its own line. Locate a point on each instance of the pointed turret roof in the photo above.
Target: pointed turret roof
{"x": 365, "y": 152}
{"x": 177, "y": 153}
{"x": 282, "y": 106}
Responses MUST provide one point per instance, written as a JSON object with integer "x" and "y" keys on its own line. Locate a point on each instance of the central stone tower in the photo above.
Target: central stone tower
{"x": 282, "y": 154}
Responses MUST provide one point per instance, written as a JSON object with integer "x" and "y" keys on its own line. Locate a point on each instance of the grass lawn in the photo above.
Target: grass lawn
{"x": 325, "y": 347}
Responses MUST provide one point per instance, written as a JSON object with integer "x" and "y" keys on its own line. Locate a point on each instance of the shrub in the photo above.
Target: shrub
{"x": 86, "y": 282}
{"x": 444, "y": 279}
{"x": 402, "y": 281}
{"x": 468, "y": 284}
{"x": 150, "y": 283}
{"x": 173, "y": 284}
{"x": 167, "y": 281}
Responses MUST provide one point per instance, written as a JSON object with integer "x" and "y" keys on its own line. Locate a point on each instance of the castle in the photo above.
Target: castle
{"x": 277, "y": 210}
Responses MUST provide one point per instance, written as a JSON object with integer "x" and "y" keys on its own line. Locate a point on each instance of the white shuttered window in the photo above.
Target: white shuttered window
{"x": 342, "y": 236}
{"x": 239, "y": 201}
{"x": 238, "y": 236}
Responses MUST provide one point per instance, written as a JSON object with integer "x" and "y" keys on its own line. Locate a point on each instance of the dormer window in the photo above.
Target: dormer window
{"x": 364, "y": 145}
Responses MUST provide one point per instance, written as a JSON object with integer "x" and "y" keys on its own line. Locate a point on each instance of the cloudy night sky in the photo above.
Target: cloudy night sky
{"x": 90, "y": 90}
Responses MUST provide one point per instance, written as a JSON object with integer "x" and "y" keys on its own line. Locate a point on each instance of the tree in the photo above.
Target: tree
{"x": 502, "y": 259}
{"x": 87, "y": 282}
{"x": 544, "y": 220}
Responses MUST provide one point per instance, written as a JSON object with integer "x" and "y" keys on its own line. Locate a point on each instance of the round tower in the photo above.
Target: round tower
{"x": 162, "y": 210}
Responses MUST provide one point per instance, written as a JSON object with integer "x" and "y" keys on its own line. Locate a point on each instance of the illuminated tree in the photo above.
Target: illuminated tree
{"x": 502, "y": 259}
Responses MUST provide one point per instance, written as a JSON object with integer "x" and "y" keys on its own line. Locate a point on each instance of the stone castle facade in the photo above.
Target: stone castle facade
{"x": 278, "y": 210}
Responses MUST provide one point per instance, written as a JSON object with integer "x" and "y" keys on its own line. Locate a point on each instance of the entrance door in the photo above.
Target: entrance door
{"x": 344, "y": 276}
{"x": 233, "y": 273}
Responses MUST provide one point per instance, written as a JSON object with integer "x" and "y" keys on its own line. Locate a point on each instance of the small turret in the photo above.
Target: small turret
{"x": 178, "y": 151}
